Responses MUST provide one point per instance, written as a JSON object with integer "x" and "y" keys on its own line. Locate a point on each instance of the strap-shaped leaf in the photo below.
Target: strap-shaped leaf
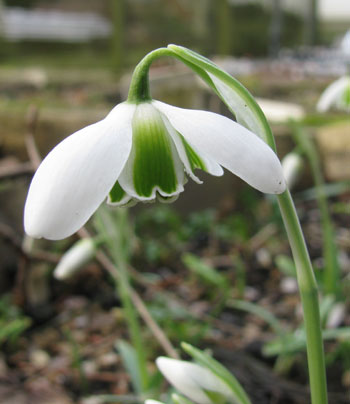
{"x": 236, "y": 97}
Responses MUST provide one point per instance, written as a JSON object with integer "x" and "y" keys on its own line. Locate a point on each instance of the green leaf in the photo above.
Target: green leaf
{"x": 206, "y": 272}
{"x": 259, "y": 312}
{"x": 236, "y": 97}
{"x": 286, "y": 265}
{"x": 129, "y": 357}
{"x": 296, "y": 342}
{"x": 227, "y": 377}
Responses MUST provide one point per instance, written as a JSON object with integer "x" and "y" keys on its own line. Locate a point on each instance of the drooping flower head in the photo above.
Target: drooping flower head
{"x": 143, "y": 150}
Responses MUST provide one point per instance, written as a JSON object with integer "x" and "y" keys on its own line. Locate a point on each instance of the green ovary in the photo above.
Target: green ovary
{"x": 153, "y": 164}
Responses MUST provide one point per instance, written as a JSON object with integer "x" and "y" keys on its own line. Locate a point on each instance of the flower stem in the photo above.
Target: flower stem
{"x": 120, "y": 255}
{"x": 139, "y": 90}
{"x": 116, "y": 233}
{"x": 331, "y": 272}
{"x": 309, "y": 299}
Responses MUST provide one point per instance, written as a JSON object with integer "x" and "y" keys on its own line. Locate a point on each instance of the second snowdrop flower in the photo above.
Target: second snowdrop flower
{"x": 196, "y": 382}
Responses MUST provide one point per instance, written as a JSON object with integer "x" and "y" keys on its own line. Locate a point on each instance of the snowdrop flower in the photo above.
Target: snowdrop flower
{"x": 77, "y": 256}
{"x": 336, "y": 95}
{"x": 153, "y": 402}
{"x": 194, "y": 381}
{"x": 143, "y": 150}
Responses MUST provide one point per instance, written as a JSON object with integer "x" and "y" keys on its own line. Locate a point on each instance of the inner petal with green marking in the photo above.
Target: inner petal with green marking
{"x": 154, "y": 165}
{"x": 153, "y": 161}
{"x": 193, "y": 158}
{"x": 117, "y": 196}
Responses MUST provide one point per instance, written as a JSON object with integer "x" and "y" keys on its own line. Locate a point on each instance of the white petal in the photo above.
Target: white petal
{"x": 76, "y": 176}
{"x": 332, "y": 94}
{"x": 211, "y": 166}
{"x": 230, "y": 145}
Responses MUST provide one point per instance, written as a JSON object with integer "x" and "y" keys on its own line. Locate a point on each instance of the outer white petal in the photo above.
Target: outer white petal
{"x": 332, "y": 94}
{"x": 211, "y": 166}
{"x": 191, "y": 379}
{"x": 76, "y": 176}
{"x": 230, "y": 145}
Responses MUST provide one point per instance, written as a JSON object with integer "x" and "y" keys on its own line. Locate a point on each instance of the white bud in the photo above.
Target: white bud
{"x": 153, "y": 402}
{"x": 345, "y": 44}
{"x": 292, "y": 165}
{"x": 192, "y": 380}
{"x": 78, "y": 255}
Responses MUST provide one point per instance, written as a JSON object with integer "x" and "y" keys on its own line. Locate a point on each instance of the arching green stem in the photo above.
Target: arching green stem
{"x": 139, "y": 87}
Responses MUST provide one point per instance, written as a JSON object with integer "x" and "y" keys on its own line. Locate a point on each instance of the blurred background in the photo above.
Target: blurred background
{"x": 64, "y": 64}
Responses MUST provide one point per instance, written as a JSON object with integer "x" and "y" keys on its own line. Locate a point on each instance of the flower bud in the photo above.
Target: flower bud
{"x": 78, "y": 255}
{"x": 153, "y": 402}
{"x": 196, "y": 382}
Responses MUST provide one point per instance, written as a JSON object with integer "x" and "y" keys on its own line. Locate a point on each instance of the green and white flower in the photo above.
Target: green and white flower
{"x": 196, "y": 382}
{"x": 143, "y": 150}
{"x": 336, "y": 95}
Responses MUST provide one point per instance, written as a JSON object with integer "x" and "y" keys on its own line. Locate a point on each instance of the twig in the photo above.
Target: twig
{"x": 158, "y": 333}
{"x": 261, "y": 236}
{"x": 32, "y": 150}
{"x": 16, "y": 170}
{"x": 9, "y": 235}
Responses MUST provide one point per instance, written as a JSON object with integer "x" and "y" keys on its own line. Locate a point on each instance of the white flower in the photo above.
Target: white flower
{"x": 337, "y": 94}
{"x": 141, "y": 152}
{"x": 194, "y": 381}
{"x": 153, "y": 402}
{"x": 79, "y": 254}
